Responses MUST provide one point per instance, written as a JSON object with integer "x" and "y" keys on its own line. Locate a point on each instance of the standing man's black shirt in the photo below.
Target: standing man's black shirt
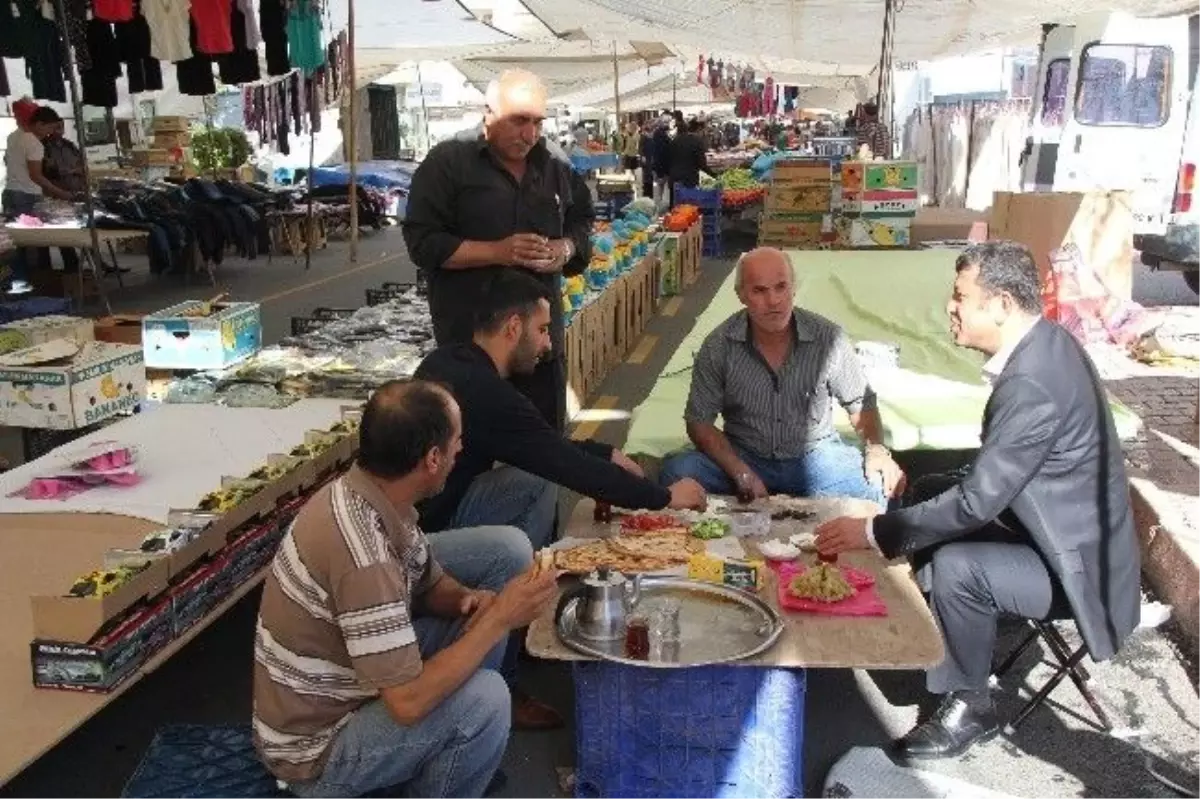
{"x": 688, "y": 159}
{"x": 501, "y": 424}
{"x": 461, "y": 192}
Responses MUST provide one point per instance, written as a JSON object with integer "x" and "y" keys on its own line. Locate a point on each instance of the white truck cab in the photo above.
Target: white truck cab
{"x": 1114, "y": 110}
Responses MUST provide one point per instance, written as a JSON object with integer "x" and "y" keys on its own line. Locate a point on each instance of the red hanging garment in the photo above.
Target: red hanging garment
{"x": 214, "y": 26}
{"x": 113, "y": 10}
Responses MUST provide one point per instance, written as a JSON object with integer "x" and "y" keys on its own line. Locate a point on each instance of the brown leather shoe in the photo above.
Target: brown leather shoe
{"x": 530, "y": 714}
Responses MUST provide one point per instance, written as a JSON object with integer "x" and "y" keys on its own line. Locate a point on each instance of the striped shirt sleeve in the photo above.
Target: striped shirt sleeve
{"x": 707, "y": 392}
{"x": 371, "y": 608}
{"x": 847, "y": 378}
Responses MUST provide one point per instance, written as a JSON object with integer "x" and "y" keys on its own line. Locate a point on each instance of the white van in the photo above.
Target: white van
{"x": 1114, "y": 110}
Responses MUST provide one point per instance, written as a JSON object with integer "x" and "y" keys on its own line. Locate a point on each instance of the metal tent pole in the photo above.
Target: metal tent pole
{"x": 352, "y": 79}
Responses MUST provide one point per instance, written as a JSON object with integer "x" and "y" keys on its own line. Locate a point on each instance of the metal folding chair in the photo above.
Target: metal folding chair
{"x": 1069, "y": 665}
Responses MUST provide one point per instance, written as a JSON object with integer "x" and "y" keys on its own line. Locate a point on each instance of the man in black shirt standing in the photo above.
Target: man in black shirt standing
{"x": 502, "y": 199}
{"x": 501, "y": 425}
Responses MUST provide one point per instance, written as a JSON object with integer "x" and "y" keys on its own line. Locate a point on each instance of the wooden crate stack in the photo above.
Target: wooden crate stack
{"x": 878, "y": 203}
{"x": 169, "y": 133}
{"x": 798, "y": 208}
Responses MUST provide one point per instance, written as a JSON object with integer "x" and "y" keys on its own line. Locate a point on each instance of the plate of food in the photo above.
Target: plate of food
{"x": 652, "y": 524}
{"x": 828, "y": 588}
{"x": 641, "y": 553}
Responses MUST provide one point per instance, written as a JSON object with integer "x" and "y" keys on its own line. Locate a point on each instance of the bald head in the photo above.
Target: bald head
{"x": 405, "y": 425}
{"x": 516, "y": 107}
{"x": 766, "y": 284}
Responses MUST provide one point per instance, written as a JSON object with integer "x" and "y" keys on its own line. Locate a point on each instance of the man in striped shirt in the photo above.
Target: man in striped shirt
{"x": 374, "y": 667}
{"x": 773, "y": 372}
{"x": 874, "y": 133}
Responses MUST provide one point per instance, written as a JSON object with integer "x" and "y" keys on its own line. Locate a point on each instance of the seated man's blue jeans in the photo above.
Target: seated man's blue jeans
{"x": 508, "y": 496}
{"x": 457, "y": 747}
{"x": 831, "y": 468}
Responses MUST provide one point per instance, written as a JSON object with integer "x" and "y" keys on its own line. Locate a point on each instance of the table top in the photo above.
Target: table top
{"x": 67, "y": 237}
{"x": 906, "y": 638}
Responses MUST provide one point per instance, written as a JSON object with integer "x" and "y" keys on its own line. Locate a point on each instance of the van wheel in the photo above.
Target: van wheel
{"x": 1193, "y": 281}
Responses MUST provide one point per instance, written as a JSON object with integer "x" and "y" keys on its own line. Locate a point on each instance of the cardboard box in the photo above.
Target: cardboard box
{"x": 231, "y": 333}
{"x": 875, "y": 175}
{"x": 799, "y": 199}
{"x": 898, "y": 202}
{"x": 81, "y": 619}
{"x": 949, "y": 224}
{"x": 1099, "y": 223}
{"x": 61, "y": 385}
{"x": 170, "y": 124}
{"x": 170, "y": 140}
{"x": 150, "y": 156}
{"x": 802, "y": 172}
{"x": 25, "y": 333}
{"x": 104, "y": 664}
{"x": 871, "y": 230}
{"x": 796, "y": 230}
{"x": 119, "y": 329}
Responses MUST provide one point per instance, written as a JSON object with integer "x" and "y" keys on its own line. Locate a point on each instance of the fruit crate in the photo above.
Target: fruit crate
{"x": 704, "y": 731}
{"x": 704, "y": 199}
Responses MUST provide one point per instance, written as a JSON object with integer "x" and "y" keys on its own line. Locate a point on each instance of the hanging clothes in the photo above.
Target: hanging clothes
{"x": 13, "y": 23}
{"x": 168, "y": 21}
{"x": 281, "y": 118}
{"x": 241, "y": 65}
{"x": 99, "y": 84}
{"x": 75, "y": 24}
{"x": 43, "y": 56}
{"x": 304, "y": 36}
{"x": 272, "y": 23}
{"x": 194, "y": 75}
{"x": 214, "y": 26}
{"x": 5, "y": 90}
{"x": 113, "y": 10}
{"x": 133, "y": 48}
{"x": 250, "y": 23}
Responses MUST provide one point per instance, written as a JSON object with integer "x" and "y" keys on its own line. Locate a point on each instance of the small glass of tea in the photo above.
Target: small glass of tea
{"x": 637, "y": 638}
{"x": 602, "y": 512}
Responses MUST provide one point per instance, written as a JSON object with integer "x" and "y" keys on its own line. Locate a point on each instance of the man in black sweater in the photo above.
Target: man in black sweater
{"x": 512, "y": 333}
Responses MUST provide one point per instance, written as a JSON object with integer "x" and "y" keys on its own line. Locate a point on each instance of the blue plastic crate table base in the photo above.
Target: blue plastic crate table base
{"x": 723, "y": 731}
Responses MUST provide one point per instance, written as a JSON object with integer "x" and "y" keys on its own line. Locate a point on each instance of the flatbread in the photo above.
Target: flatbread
{"x": 676, "y": 547}
{"x": 589, "y": 557}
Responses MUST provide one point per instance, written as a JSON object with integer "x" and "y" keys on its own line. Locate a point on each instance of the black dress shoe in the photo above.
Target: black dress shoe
{"x": 953, "y": 729}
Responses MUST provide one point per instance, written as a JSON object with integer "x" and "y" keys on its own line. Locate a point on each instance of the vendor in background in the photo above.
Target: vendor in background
{"x": 630, "y": 147}
{"x": 773, "y": 372}
{"x": 873, "y": 133}
{"x": 501, "y": 198}
{"x": 689, "y": 157}
{"x": 646, "y": 153}
{"x": 24, "y": 182}
{"x": 62, "y": 164}
{"x": 660, "y": 148}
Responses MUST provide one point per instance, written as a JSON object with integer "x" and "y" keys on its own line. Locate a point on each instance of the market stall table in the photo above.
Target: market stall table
{"x": 80, "y": 239}
{"x": 632, "y": 721}
{"x": 46, "y": 547}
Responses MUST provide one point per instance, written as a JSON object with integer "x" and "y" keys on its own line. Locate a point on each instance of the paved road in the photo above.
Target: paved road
{"x": 1153, "y": 288}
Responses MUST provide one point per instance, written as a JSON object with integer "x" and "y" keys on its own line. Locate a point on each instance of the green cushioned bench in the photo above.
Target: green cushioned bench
{"x": 934, "y": 401}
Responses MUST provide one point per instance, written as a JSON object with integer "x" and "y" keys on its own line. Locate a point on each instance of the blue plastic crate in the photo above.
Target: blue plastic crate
{"x": 705, "y": 199}
{"x": 718, "y": 731}
{"x": 200, "y": 760}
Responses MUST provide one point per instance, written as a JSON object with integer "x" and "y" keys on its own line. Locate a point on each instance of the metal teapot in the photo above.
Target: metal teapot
{"x": 606, "y": 598}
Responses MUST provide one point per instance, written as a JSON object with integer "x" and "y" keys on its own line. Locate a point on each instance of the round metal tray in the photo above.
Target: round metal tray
{"x": 717, "y": 624}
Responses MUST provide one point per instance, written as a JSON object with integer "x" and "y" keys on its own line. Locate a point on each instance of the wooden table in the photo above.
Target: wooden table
{"x": 907, "y": 638}
{"x": 80, "y": 239}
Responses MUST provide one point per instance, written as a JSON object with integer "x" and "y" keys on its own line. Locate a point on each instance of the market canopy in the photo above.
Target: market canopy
{"x": 565, "y": 66}
{"x": 834, "y": 31}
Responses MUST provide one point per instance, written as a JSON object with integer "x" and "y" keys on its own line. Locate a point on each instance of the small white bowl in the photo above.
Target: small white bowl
{"x": 778, "y": 550}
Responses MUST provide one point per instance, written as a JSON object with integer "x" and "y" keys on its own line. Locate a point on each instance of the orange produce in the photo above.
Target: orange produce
{"x": 681, "y": 217}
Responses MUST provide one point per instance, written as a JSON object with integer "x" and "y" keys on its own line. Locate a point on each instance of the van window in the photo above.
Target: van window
{"x": 1124, "y": 84}
{"x": 1054, "y": 94}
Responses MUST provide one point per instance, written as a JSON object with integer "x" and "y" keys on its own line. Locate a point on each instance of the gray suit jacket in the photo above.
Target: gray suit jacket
{"x": 1051, "y": 455}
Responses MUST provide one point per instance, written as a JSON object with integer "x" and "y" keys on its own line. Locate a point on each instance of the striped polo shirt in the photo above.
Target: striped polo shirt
{"x": 777, "y": 415}
{"x": 335, "y": 624}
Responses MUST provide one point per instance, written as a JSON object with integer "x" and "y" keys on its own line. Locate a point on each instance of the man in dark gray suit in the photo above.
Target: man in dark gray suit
{"x": 1040, "y": 524}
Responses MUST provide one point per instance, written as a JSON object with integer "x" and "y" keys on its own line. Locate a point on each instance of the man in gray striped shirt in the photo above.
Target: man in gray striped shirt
{"x": 374, "y": 667}
{"x": 773, "y": 372}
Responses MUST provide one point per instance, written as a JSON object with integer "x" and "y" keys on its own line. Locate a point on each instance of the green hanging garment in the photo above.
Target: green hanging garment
{"x": 304, "y": 36}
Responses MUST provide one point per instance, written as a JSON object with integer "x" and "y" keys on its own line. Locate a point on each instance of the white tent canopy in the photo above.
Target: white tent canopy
{"x": 832, "y": 31}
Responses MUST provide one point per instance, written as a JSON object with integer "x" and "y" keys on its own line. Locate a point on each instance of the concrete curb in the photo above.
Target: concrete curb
{"x": 1170, "y": 554}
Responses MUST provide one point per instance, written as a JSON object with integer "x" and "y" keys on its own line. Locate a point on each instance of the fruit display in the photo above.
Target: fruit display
{"x": 681, "y": 218}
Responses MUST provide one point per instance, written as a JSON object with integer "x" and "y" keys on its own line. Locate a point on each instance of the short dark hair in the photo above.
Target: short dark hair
{"x": 45, "y": 115}
{"x": 403, "y": 421}
{"x": 1005, "y": 267}
{"x": 695, "y": 125}
{"x": 870, "y": 109}
{"x": 508, "y": 292}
